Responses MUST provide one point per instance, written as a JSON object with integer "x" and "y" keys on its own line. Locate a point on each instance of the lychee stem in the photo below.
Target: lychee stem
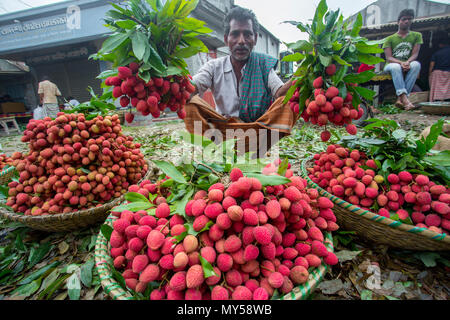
{"x": 266, "y": 268}
{"x": 168, "y": 221}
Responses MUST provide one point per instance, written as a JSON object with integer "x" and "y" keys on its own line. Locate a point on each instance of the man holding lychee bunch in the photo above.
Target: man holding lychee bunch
{"x": 244, "y": 84}
{"x": 401, "y": 50}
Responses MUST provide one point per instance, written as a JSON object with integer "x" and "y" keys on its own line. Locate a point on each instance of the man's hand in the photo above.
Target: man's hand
{"x": 283, "y": 89}
{"x": 405, "y": 66}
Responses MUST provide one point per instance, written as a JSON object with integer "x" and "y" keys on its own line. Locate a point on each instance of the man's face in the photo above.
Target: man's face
{"x": 405, "y": 22}
{"x": 240, "y": 39}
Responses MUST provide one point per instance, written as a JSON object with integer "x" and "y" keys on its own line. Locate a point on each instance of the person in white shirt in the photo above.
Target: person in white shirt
{"x": 48, "y": 92}
{"x": 245, "y": 86}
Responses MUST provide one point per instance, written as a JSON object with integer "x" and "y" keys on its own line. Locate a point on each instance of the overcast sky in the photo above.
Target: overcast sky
{"x": 270, "y": 13}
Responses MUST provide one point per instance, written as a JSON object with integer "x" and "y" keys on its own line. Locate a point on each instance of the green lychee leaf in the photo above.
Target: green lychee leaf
{"x": 152, "y": 197}
{"x": 208, "y": 270}
{"x": 394, "y": 217}
{"x": 135, "y": 197}
{"x": 133, "y": 206}
{"x": 366, "y": 295}
{"x": 37, "y": 274}
{"x": 276, "y": 295}
{"x": 190, "y": 228}
{"x": 167, "y": 183}
{"x": 87, "y": 171}
{"x": 428, "y": 258}
{"x": 74, "y": 287}
{"x": 181, "y": 237}
{"x": 206, "y": 227}
{"x": 272, "y": 180}
{"x": 172, "y": 209}
{"x": 180, "y": 205}
{"x": 38, "y": 253}
{"x": 254, "y": 166}
{"x": 28, "y": 289}
{"x": 86, "y": 272}
{"x": 170, "y": 170}
{"x": 118, "y": 277}
{"x": 283, "y": 167}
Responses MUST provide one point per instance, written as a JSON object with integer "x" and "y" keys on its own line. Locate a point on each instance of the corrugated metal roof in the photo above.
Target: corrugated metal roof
{"x": 416, "y": 22}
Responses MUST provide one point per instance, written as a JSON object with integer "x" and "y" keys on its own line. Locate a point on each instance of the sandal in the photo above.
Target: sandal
{"x": 398, "y": 104}
{"x": 410, "y": 107}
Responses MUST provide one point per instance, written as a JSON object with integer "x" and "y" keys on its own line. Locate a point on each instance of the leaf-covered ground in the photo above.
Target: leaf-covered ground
{"x": 58, "y": 266}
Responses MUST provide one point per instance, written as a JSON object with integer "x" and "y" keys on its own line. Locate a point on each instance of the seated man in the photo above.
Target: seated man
{"x": 244, "y": 85}
{"x": 439, "y": 74}
{"x": 401, "y": 50}
{"x": 71, "y": 102}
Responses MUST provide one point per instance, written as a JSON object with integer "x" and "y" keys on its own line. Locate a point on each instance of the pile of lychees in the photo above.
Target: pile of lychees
{"x": 327, "y": 106}
{"x": 73, "y": 164}
{"x": 150, "y": 97}
{"x": 415, "y": 196}
{"x": 257, "y": 240}
{"x": 6, "y": 161}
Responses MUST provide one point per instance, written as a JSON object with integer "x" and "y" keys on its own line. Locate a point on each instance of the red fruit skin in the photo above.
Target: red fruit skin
{"x": 331, "y": 69}
{"x": 117, "y": 92}
{"x": 318, "y": 83}
{"x": 331, "y": 259}
{"x": 325, "y": 136}
{"x": 351, "y": 129}
{"x": 235, "y": 174}
{"x": 124, "y": 72}
{"x": 124, "y": 101}
{"x": 331, "y": 93}
{"x": 129, "y": 117}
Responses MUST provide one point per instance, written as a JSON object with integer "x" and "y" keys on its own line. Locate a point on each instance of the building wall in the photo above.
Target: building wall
{"x": 59, "y": 24}
{"x": 223, "y": 5}
{"x": 46, "y": 37}
{"x": 267, "y": 44}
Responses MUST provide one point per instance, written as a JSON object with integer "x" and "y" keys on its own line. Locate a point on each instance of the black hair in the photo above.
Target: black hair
{"x": 406, "y": 13}
{"x": 45, "y": 77}
{"x": 242, "y": 15}
{"x": 441, "y": 37}
{"x": 70, "y": 98}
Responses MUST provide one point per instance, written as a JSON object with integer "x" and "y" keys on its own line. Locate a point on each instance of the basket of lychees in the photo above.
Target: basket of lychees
{"x": 76, "y": 170}
{"x": 242, "y": 240}
{"x": 406, "y": 210}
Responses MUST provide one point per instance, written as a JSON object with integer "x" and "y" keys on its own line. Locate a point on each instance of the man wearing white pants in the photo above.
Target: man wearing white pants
{"x": 401, "y": 50}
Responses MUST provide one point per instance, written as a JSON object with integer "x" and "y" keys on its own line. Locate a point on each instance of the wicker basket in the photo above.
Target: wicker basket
{"x": 6, "y": 174}
{"x": 377, "y": 228}
{"x": 66, "y": 221}
{"x": 103, "y": 263}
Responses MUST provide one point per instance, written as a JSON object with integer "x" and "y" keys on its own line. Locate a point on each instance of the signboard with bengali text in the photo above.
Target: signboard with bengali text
{"x": 73, "y": 24}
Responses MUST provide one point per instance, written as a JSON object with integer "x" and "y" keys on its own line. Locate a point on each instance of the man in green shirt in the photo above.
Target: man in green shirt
{"x": 401, "y": 50}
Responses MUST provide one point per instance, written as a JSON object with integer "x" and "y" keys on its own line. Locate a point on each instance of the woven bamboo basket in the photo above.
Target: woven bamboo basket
{"x": 67, "y": 221}
{"x": 6, "y": 174}
{"x": 104, "y": 266}
{"x": 377, "y": 228}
